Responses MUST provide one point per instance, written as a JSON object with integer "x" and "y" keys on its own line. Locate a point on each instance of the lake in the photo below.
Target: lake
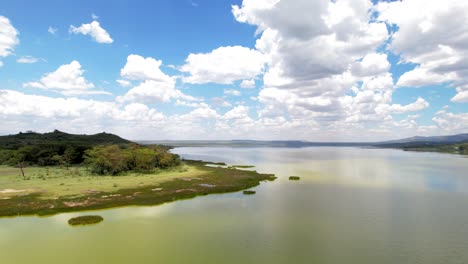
{"x": 351, "y": 205}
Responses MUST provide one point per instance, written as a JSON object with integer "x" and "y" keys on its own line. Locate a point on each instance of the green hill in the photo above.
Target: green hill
{"x": 56, "y": 137}
{"x": 51, "y": 148}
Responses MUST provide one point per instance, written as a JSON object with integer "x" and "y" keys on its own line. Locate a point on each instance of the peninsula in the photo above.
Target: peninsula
{"x": 44, "y": 174}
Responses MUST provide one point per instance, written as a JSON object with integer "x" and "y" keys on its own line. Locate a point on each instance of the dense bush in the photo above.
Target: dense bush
{"x": 114, "y": 159}
{"x": 104, "y": 153}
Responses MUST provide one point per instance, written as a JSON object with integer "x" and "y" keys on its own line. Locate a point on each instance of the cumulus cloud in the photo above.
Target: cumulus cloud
{"x": 372, "y": 64}
{"x": 419, "y": 105}
{"x": 315, "y": 58}
{"x": 8, "y": 37}
{"x": 449, "y": 122}
{"x": 461, "y": 97}
{"x": 325, "y": 68}
{"x": 423, "y": 39}
{"x": 17, "y": 103}
{"x": 153, "y": 85}
{"x": 223, "y": 65}
{"x": 153, "y": 91}
{"x": 247, "y": 84}
{"x": 94, "y": 30}
{"x": 67, "y": 79}
{"x": 140, "y": 68}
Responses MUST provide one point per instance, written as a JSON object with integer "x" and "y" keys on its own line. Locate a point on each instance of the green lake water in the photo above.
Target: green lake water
{"x": 351, "y": 205}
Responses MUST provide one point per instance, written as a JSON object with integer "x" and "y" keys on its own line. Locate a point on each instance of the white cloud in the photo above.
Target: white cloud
{"x": 201, "y": 113}
{"x": 223, "y": 65}
{"x": 27, "y": 59}
{"x": 451, "y": 123}
{"x": 17, "y": 103}
{"x": 137, "y": 112}
{"x": 52, "y": 30}
{"x": 324, "y": 68}
{"x": 140, "y": 68}
{"x": 67, "y": 79}
{"x": 219, "y": 101}
{"x": 380, "y": 82}
{"x": 93, "y": 29}
{"x": 124, "y": 83}
{"x": 94, "y": 16}
{"x": 238, "y": 112}
{"x": 247, "y": 84}
{"x": 151, "y": 91}
{"x": 461, "y": 97}
{"x": 8, "y": 37}
{"x": 153, "y": 86}
{"x": 419, "y": 105}
{"x": 232, "y": 92}
{"x": 432, "y": 35}
{"x": 420, "y": 77}
{"x": 191, "y": 104}
{"x": 315, "y": 58}
{"x": 372, "y": 64}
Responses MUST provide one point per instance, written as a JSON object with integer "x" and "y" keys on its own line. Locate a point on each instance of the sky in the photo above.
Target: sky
{"x": 318, "y": 70}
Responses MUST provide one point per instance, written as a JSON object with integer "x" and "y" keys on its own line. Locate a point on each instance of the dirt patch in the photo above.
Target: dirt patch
{"x": 10, "y": 191}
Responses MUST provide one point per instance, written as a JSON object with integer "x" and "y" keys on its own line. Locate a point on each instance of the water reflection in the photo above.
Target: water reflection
{"x": 350, "y": 206}
{"x": 374, "y": 168}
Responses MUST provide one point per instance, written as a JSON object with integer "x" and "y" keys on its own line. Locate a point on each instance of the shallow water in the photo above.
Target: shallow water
{"x": 351, "y": 206}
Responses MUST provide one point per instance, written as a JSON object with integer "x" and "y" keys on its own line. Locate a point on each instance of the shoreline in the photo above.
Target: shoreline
{"x": 213, "y": 180}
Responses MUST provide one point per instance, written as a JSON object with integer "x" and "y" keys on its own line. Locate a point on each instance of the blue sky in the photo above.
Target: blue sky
{"x": 260, "y": 69}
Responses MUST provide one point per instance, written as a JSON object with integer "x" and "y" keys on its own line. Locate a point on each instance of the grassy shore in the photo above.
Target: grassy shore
{"x": 53, "y": 190}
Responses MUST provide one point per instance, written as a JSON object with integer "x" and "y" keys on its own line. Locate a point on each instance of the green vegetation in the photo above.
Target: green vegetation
{"x": 85, "y": 220}
{"x": 54, "y": 182}
{"x": 104, "y": 154}
{"x": 114, "y": 159}
{"x": 58, "y": 172}
{"x": 243, "y": 166}
{"x": 81, "y": 190}
{"x": 249, "y": 192}
{"x": 55, "y": 148}
{"x": 461, "y": 148}
{"x": 294, "y": 178}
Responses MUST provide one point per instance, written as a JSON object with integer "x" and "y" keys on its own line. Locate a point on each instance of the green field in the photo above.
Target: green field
{"x": 55, "y": 182}
{"x": 50, "y": 190}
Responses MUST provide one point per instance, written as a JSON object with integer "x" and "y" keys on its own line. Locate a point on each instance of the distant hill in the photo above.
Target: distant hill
{"x": 58, "y": 137}
{"x": 425, "y": 141}
{"x": 412, "y": 142}
{"x": 252, "y": 143}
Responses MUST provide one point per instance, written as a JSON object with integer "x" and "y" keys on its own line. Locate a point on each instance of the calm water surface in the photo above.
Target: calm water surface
{"x": 350, "y": 206}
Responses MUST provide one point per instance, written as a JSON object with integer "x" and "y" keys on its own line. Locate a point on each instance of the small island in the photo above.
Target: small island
{"x": 45, "y": 174}
{"x": 294, "y": 178}
{"x": 249, "y": 192}
{"x": 85, "y": 220}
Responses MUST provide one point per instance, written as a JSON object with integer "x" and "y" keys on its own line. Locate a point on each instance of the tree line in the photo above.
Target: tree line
{"x": 102, "y": 153}
{"x": 103, "y": 159}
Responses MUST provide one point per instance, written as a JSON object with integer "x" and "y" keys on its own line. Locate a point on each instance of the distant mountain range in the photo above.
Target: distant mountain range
{"x": 400, "y": 143}
{"x": 250, "y": 143}
{"x": 30, "y": 138}
{"x": 436, "y": 140}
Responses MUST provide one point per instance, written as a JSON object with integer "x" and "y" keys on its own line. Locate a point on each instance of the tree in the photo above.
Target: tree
{"x": 143, "y": 159}
{"x": 107, "y": 159}
{"x": 18, "y": 159}
{"x": 69, "y": 156}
